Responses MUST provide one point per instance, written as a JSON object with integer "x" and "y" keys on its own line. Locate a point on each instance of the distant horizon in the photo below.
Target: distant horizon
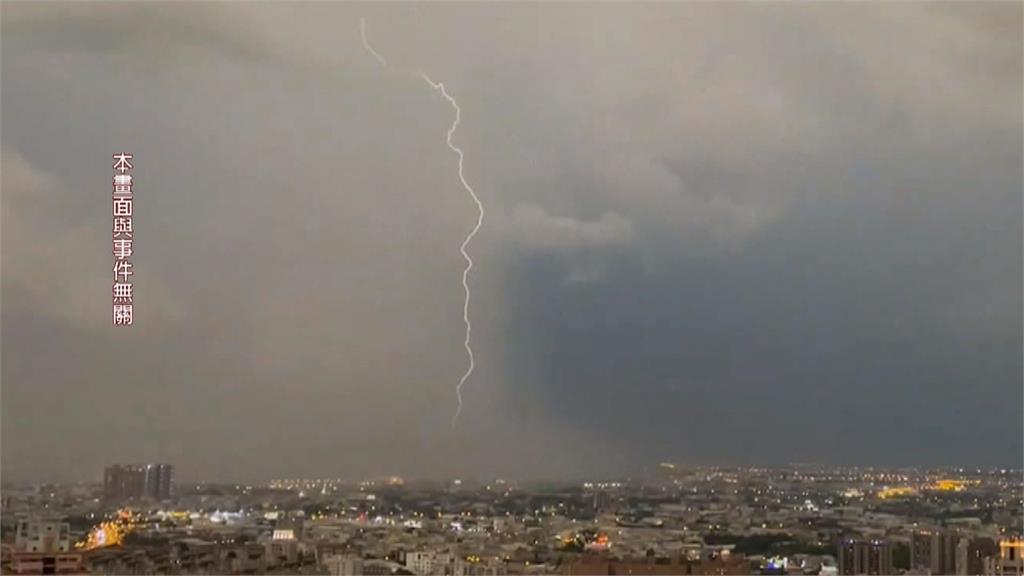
{"x": 525, "y": 480}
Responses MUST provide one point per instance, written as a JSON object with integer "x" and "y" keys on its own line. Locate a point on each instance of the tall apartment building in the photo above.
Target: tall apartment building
{"x": 949, "y": 551}
{"x": 934, "y": 551}
{"x": 972, "y": 554}
{"x": 130, "y": 481}
{"x": 865, "y": 556}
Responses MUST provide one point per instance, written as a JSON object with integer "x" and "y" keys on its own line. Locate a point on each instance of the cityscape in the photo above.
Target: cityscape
{"x": 519, "y": 288}
{"x": 800, "y": 519}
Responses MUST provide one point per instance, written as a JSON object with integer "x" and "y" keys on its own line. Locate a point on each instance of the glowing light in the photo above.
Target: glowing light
{"x": 896, "y": 492}
{"x": 947, "y": 485}
{"x": 1012, "y": 547}
{"x": 439, "y": 86}
{"x": 110, "y": 532}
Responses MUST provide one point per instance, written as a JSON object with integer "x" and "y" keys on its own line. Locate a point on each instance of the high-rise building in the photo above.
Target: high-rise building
{"x": 934, "y": 551}
{"x": 972, "y": 554}
{"x": 602, "y": 501}
{"x": 126, "y": 481}
{"x": 949, "y": 552}
{"x": 861, "y": 556}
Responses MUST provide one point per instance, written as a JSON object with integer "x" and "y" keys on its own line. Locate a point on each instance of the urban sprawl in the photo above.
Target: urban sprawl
{"x": 679, "y": 520}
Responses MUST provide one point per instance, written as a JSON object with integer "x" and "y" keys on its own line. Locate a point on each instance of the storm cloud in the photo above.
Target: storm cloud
{"x": 798, "y": 223}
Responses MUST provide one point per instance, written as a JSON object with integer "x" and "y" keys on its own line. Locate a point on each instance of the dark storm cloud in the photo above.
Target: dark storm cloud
{"x": 706, "y": 224}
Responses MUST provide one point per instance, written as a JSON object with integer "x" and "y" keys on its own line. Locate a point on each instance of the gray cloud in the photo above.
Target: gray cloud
{"x": 531, "y": 226}
{"x": 62, "y": 270}
{"x": 705, "y": 223}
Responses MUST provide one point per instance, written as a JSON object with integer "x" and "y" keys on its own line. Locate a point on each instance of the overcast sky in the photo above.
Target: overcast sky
{"x": 732, "y": 234}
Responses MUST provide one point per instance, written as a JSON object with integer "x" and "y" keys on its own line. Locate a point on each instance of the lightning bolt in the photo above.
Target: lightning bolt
{"x": 439, "y": 86}
{"x": 366, "y": 43}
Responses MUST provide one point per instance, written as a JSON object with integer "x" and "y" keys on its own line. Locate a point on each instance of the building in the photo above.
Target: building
{"x": 288, "y": 528}
{"x": 117, "y": 560}
{"x": 603, "y": 501}
{"x": 43, "y": 546}
{"x": 1010, "y": 561}
{"x": 934, "y": 551}
{"x": 343, "y": 565}
{"x": 973, "y": 553}
{"x": 133, "y": 481}
{"x": 420, "y": 562}
{"x": 42, "y": 536}
{"x": 857, "y": 556}
{"x": 282, "y": 553}
{"x": 248, "y": 558}
{"x": 729, "y": 565}
{"x": 950, "y": 552}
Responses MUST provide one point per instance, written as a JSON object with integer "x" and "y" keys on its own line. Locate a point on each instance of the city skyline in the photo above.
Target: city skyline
{"x": 741, "y": 234}
{"x": 686, "y": 520}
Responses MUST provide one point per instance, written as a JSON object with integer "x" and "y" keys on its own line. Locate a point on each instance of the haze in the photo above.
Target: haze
{"x": 745, "y": 233}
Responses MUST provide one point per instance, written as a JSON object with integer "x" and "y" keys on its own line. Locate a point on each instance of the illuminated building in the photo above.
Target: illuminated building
{"x": 128, "y": 481}
{"x": 288, "y": 528}
{"x": 948, "y": 485}
{"x": 896, "y": 492}
{"x": 1010, "y": 561}
{"x": 865, "y": 557}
